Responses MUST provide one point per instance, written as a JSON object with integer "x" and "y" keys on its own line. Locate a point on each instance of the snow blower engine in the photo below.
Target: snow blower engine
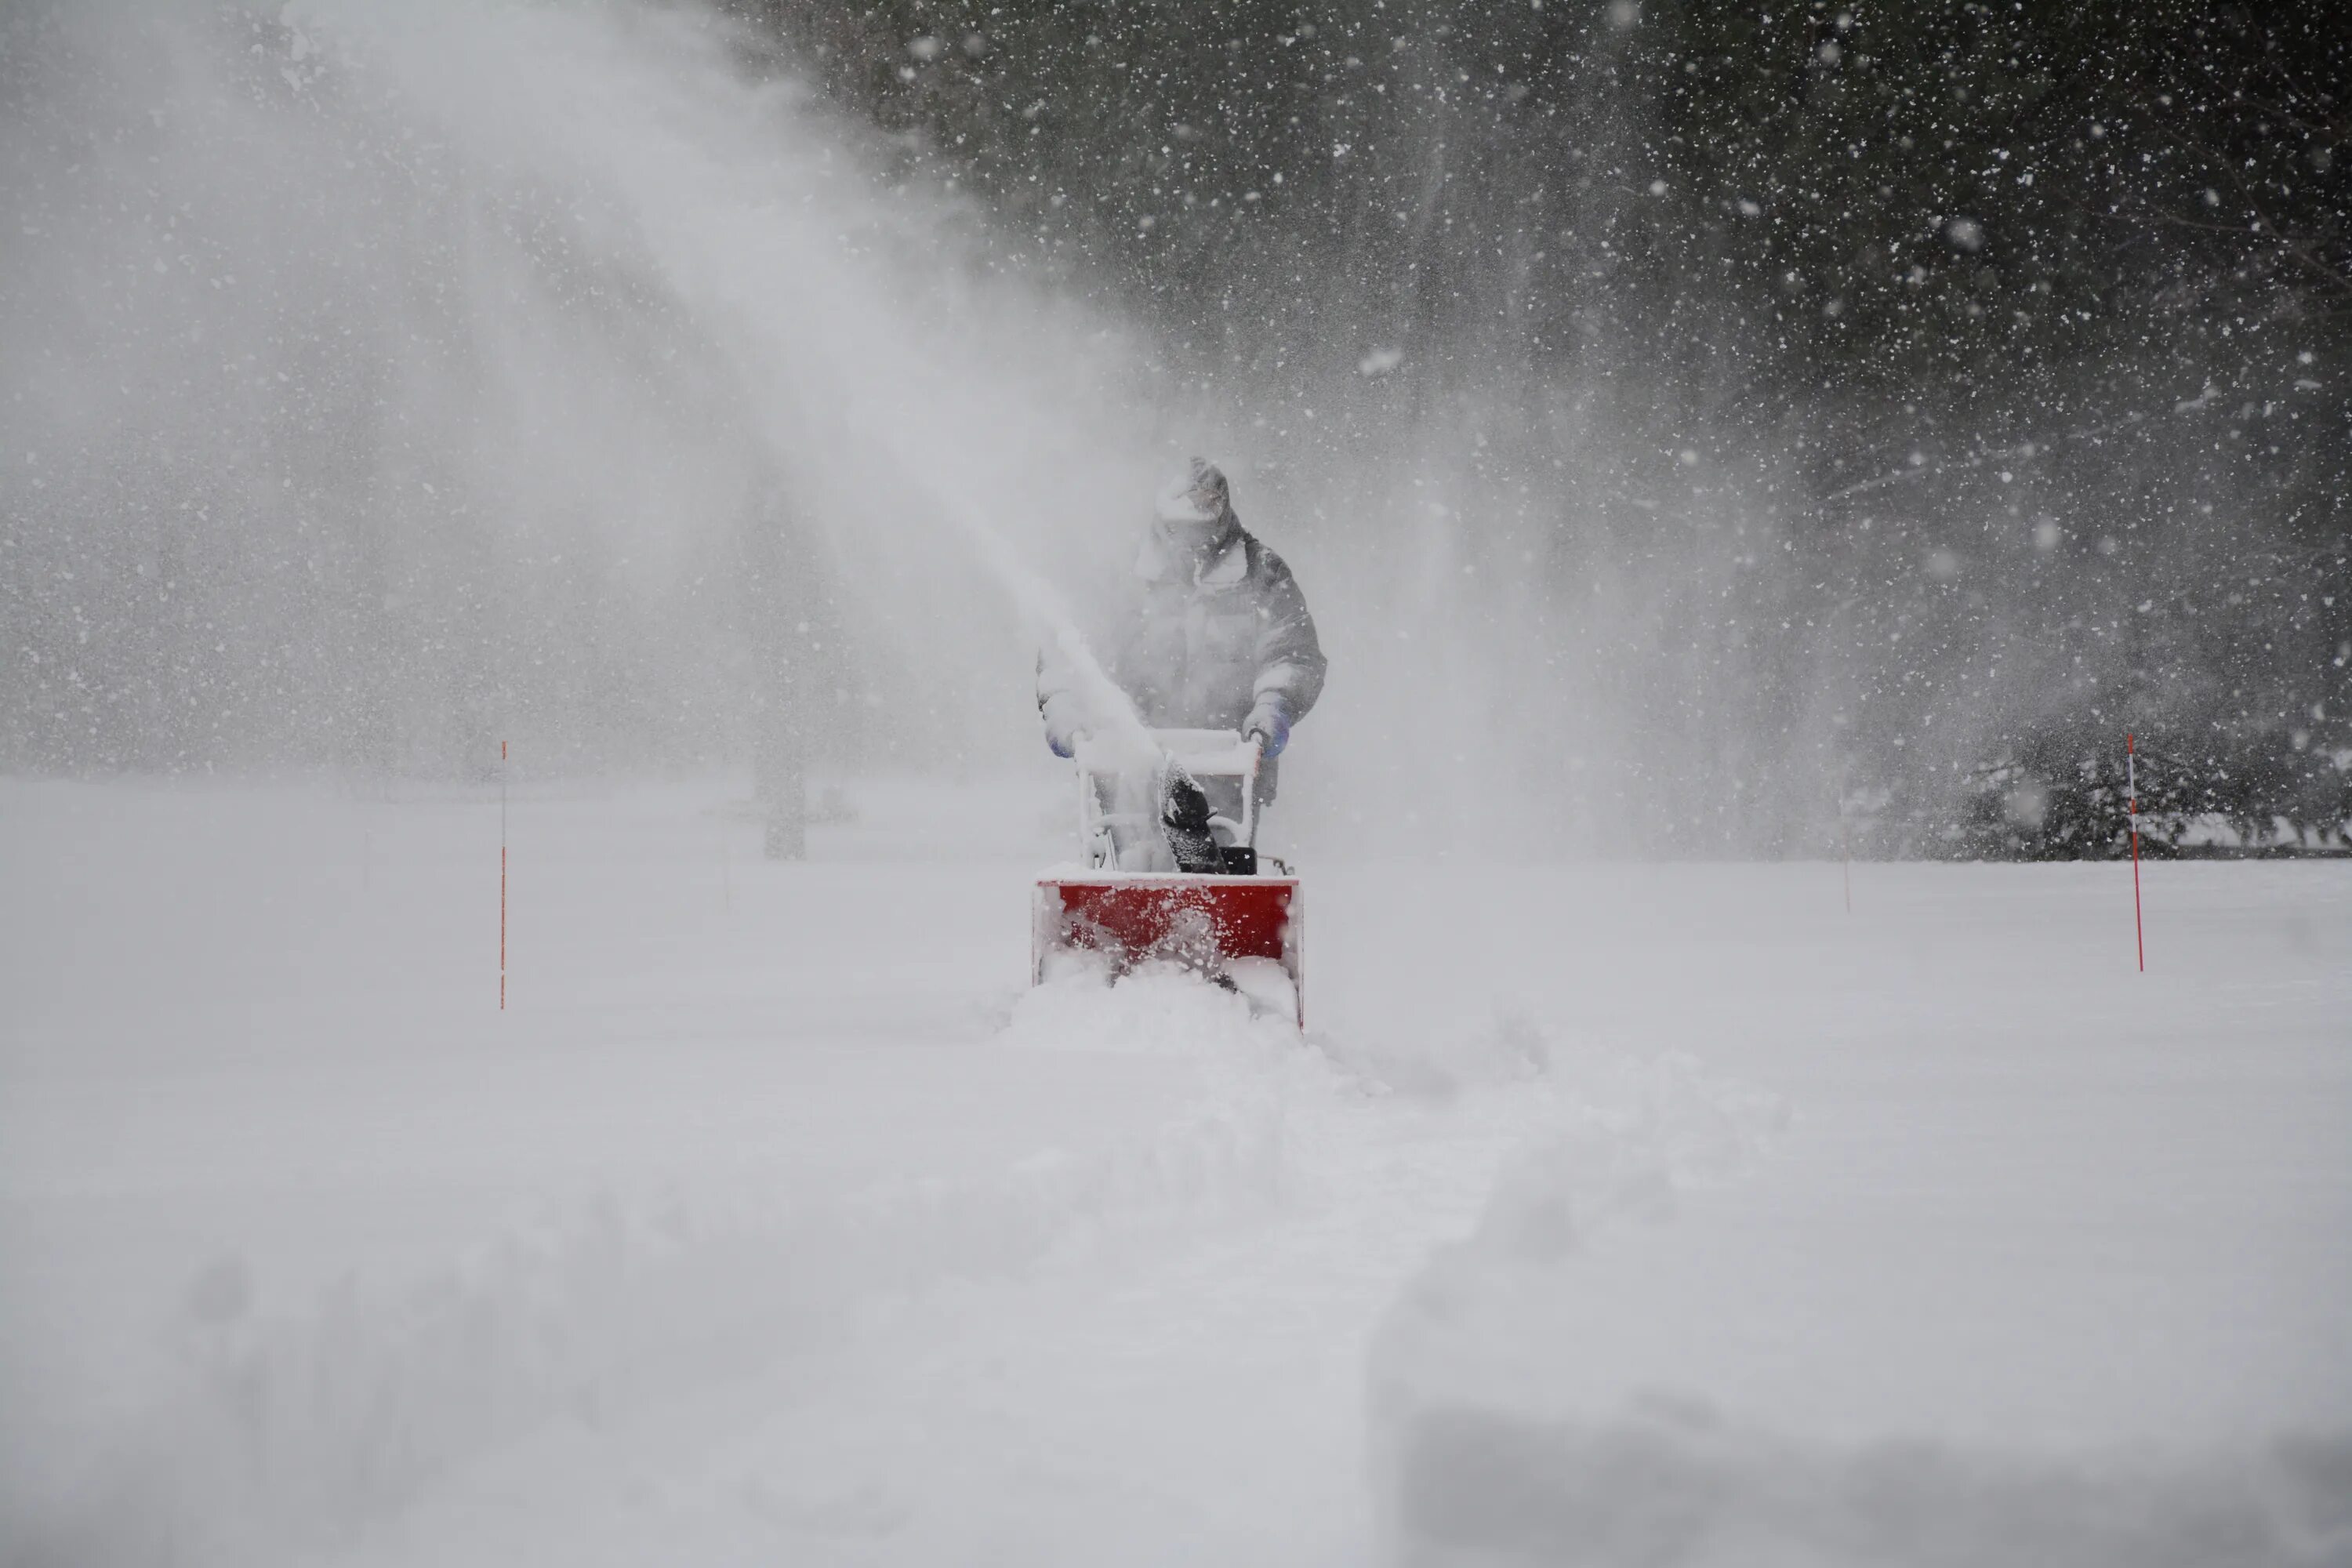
{"x": 1169, "y": 879}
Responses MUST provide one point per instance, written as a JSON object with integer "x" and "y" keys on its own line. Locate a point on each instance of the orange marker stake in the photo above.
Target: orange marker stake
{"x": 1846, "y": 849}
{"x": 502, "y": 876}
{"x": 2131, "y": 793}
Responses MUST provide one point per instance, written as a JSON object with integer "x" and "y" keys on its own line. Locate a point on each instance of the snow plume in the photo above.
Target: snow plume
{"x": 385, "y": 379}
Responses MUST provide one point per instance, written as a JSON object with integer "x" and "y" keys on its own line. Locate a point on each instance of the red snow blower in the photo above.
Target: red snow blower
{"x": 1166, "y": 879}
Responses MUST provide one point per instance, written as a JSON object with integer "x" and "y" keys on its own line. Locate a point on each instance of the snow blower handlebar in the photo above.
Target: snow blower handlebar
{"x": 1201, "y": 754}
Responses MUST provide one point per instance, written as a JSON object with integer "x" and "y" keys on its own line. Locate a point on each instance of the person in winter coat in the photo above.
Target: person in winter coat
{"x": 1213, "y": 634}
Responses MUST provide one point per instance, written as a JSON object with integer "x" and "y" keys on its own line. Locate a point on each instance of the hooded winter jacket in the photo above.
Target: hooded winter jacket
{"x": 1202, "y": 642}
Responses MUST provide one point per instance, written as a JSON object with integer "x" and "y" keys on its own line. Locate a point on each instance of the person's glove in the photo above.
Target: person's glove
{"x": 1062, "y": 729}
{"x": 1270, "y": 722}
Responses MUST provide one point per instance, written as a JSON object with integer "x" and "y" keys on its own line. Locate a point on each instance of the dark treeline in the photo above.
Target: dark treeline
{"x": 2000, "y": 349}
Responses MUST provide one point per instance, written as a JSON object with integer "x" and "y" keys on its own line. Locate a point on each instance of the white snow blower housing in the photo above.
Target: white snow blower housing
{"x": 1168, "y": 820}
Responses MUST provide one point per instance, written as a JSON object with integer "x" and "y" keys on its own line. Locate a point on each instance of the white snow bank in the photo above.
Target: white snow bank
{"x": 1670, "y": 1480}
{"x": 1476, "y": 1462}
{"x": 284, "y": 1432}
{"x": 1645, "y": 1351}
{"x": 297, "y": 1228}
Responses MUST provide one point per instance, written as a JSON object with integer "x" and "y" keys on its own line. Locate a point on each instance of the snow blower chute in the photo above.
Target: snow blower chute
{"x": 1168, "y": 877}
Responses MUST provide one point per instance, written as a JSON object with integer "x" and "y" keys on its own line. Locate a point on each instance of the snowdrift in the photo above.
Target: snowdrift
{"x": 1526, "y": 1407}
{"x": 284, "y": 1434}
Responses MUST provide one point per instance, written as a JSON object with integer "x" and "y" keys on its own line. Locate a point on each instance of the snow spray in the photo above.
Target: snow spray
{"x": 1041, "y": 601}
{"x": 2131, "y": 795}
{"x": 872, "y": 371}
{"x": 647, "y": 300}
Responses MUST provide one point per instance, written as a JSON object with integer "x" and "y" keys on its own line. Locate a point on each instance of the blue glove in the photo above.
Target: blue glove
{"x": 1063, "y": 724}
{"x": 1270, "y": 722}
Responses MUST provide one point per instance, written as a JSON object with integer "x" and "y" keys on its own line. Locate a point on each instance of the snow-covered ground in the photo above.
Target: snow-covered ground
{"x": 1606, "y": 1214}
